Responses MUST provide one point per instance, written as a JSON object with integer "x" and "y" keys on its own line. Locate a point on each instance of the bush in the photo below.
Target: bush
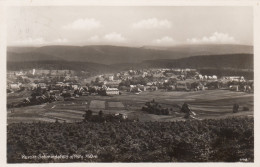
{"x": 223, "y": 140}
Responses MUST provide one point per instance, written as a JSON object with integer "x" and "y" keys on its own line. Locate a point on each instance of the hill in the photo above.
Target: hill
{"x": 206, "y": 49}
{"x": 231, "y": 140}
{"x": 105, "y": 54}
{"x": 236, "y": 61}
{"x": 59, "y": 65}
{"x": 229, "y": 64}
{"x": 30, "y": 56}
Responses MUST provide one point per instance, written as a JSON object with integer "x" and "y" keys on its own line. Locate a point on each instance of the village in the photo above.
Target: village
{"x": 64, "y": 85}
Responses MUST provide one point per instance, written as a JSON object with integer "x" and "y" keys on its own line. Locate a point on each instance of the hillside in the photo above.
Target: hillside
{"x": 206, "y": 49}
{"x": 236, "y": 61}
{"x": 30, "y": 56}
{"x": 220, "y": 65}
{"x": 104, "y": 54}
{"x": 230, "y": 64}
{"x": 96, "y": 54}
{"x": 231, "y": 140}
{"x": 58, "y": 65}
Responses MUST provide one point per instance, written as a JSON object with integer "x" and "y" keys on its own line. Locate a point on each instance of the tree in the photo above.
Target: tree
{"x": 100, "y": 113}
{"x": 125, "y": 83}
{"x": 87, "y": 116}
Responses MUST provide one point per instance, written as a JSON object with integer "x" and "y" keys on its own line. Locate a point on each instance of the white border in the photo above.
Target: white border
{"x": 6, "y": 3}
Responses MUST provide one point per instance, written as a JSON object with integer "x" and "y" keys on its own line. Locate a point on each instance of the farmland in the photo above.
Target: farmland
{"x": 207, "y": 104}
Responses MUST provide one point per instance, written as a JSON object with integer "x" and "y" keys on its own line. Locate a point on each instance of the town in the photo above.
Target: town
{"x": 64, "y": 85}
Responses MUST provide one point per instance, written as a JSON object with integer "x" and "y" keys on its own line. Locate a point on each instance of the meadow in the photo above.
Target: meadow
{"x": 206, "y": 104}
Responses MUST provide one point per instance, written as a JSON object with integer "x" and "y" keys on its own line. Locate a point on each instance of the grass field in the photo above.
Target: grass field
{"x": 97, "y": 104}
{"x": 115, "y": 105}
{"x": 206, "y": 104}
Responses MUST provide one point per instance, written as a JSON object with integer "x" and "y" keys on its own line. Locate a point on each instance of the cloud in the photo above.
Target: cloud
{"x": 114, "y": 37}
{"x": 94, "y": 39}
{"x": 111, "y": 37}
{"x": 215, "y": 38}
{"x": 30, "y": 41}
{"x": 152, "y": 23}
{"x": 164, "y": 41}
{"x": 60, "y": 40}
{"x": 39, "y": 41}
{"x": 83, "y": 24}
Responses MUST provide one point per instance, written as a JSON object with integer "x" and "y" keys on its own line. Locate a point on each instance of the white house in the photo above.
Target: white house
{"x": 75, "y": 86}
{"x": 234, "y": 78}
{"x": 112, "y": 91}
{"x": 214, "y": 77}
{"x": 14, "y": 86}
{"x": 110, "y": 77}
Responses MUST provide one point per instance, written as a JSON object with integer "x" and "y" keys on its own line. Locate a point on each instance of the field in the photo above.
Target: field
{"x": 97, "y": 104}
{"x": 207, "y": 104}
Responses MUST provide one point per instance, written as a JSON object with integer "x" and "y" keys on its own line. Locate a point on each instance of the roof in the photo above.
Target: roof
{"x": 115, "y": 89}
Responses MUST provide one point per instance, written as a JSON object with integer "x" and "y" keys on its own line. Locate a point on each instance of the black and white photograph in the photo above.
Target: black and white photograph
{"x": 129, "y": 84}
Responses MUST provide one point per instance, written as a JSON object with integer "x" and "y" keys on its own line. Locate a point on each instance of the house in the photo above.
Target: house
{"x": 144, "y": 74}
{"x": 110, "y": 77}
{"x": 134, "y": 88}
{"x": 14, "y": 85}
{"x": 84, "y": 93}
{"x": 234, "y": 78}
{"x": 20, "y": 73}
{"x": 75, "y": 86}
{"x": 27, "y": 101}
{"x": 60, "y": 84}
{"x": 118, "y": 74}
{"x": 112, "y": 84}
{"x": 200, "y": 76}
{"x": 42, "y": 85}
{"x": 59, "y": 98}
{"x": 55, "y": 92}
{"x": 171, "y": 87}
{"x": 214, "y": 77}
{"x": 182, "y": 77}
{"x": 149, "y": 83}
{"x": 234, "y": 87}
{"x": 181, "y": 86}
{"x": 131, "y": 87}
{"x": 142, "y": 87}
{"x": 67, "y": 77}
{"x": 124, "y": 116}
{"x": 112, "y": 91}
{"x": 153, "y": 88}
{"x": 33, "y": 86}
{"x": 168, "y": 74}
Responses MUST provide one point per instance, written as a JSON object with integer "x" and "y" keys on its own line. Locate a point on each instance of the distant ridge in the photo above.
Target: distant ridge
{"x": 235, "y": 61}
{"x": 106, "y": 54}
{"x": 227, "y": 61}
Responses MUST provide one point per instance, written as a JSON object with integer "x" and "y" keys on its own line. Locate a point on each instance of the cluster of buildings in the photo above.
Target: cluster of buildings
{"x": 171, "y": 80}
{"x": 70, "y": 86}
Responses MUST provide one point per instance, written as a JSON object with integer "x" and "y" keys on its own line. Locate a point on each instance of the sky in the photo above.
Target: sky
{"x": 129, "y": 25}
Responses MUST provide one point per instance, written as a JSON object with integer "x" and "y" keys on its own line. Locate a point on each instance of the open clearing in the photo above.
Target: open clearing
{"x": 206, "y": 104}
{"x": 97, "y": 104}
{"x": 115, "y": 105}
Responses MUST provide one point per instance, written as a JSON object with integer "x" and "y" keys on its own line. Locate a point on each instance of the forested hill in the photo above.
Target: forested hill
{"x": 235, "y": 61}
{"x": 230, "y": 61}
{"x": 105, "y": 54}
